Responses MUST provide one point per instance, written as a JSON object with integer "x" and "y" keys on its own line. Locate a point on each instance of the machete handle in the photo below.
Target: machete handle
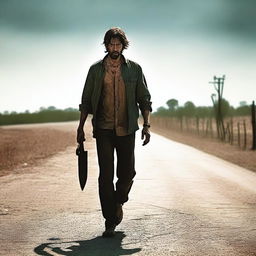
{"x": 80, "y": 148}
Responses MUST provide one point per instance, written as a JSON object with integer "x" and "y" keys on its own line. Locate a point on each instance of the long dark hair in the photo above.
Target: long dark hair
{"x": 116, "y": 32}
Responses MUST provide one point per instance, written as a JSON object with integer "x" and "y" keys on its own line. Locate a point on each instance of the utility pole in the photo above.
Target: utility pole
{"x": 218, "y": 83}
{"x": 253, "y": 127}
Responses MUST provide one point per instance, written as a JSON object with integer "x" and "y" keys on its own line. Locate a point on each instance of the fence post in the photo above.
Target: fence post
{"x": 197, "y": 125}
{"x": 228, "y": 133}
{"x": 245, "y": 137}
{"x": 181, "y": 123}
{"x": 207, "y": 127}
{"x": 232, "y": 131}
{"x": 212, "y": 133}
{"x": 238, "y": 133}
{"x": 253, "y": 127}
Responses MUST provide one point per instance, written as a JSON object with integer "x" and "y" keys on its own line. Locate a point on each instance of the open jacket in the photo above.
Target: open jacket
{"x": 137, "y": 94}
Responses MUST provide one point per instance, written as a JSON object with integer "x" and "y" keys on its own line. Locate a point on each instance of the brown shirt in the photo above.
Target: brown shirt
{"x": 112, "y": 113}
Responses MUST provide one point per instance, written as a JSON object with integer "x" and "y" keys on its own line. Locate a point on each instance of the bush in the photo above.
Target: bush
{"x": 43, "y": 116}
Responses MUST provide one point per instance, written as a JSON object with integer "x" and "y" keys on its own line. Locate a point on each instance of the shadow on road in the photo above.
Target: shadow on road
{"x": 95, "y": 247}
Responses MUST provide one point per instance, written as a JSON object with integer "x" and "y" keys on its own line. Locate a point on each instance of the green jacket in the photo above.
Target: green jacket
{"x": 137, "y": 94}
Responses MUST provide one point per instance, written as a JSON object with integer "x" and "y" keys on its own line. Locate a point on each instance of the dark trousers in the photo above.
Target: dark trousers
{"x": 107, "y": 142}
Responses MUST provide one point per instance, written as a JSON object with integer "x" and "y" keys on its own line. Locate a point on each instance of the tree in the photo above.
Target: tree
{"x": 225, "y": 108}
{"x": 242, "y": 103}
{"x": 189, "y": 109}
{"x": 51, "y": 108}
{"x": 172, "y": 104}
{"x": 162, "y": 111}
{"x": 204, "y": 112}
{"x": 243, "y": 111}
{"x": 71, "y": 109}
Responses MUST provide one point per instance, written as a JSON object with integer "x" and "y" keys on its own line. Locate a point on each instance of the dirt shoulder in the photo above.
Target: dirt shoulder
{"x": 243, "y": 158}
{"x": 26, "y": 145}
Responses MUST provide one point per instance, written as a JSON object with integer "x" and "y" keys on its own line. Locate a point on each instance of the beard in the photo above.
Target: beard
{"x": 114, "y": 55}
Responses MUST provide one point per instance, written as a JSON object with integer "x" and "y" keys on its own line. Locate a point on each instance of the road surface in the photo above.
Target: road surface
{"x": 183, "y": 202}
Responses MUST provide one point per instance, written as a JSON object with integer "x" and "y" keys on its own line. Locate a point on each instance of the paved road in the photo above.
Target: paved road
{"x": 183, "y": 202}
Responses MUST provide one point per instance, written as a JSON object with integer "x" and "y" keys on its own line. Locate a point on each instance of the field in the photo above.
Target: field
{"x": 26, "y": 145}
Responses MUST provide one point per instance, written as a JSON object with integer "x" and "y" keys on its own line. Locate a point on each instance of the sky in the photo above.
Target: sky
{"x": 47, "y": 47}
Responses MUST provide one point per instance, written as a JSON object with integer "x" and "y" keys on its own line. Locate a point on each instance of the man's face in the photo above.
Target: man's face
{"x": 114, "y": 48}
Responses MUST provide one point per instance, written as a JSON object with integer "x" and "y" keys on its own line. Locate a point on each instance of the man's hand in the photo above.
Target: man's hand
{"x": 80, "y": 135}
{"x": 145, "y": 134}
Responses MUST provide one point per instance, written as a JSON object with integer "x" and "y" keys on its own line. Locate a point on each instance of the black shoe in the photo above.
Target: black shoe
{"x": 119, "y": 213}
{"x": 110, "y": 231}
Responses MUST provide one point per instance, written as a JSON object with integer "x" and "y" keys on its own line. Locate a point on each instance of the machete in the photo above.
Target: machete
{"x": 82, "y": 164}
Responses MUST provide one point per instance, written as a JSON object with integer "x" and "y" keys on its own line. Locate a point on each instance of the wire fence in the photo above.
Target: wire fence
{"x": 238, "y": 130}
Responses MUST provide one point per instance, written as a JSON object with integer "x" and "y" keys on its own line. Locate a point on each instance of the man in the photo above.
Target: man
{"x": 115, "y": 88}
